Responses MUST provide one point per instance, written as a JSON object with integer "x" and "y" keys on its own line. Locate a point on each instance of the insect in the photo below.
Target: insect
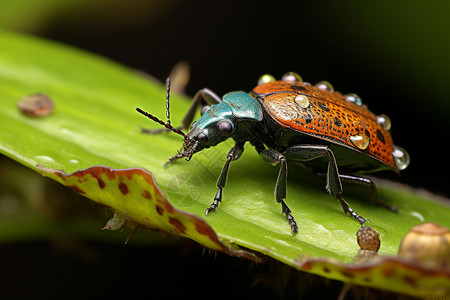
{"x": 291, "y": 121}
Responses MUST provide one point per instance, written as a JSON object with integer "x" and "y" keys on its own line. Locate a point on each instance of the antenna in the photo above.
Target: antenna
{"x": 167, "y": 99}
{"x": 167, "y": 125}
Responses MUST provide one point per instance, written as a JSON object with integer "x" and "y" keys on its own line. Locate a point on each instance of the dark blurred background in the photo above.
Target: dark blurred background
{"x": 394, "y": 54}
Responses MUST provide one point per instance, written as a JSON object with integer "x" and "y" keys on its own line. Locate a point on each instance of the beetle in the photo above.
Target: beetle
{"x": 291, "y": 121}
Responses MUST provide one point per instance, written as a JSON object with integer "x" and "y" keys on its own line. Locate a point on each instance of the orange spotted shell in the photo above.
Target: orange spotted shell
{"x": 328, "y": 115}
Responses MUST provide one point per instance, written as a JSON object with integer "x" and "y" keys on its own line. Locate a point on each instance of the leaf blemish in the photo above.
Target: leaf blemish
{"x": 388, "y": 271}
{"x": 77, "y": 189}
{"x": 82, "y": 179}
{"x": 178, "y": 225}
{"x": 409, "y": 281}
{"x": 204, "y": 229}
{"x": 101, "y": 183}
{"x": 347, "y": 274}
{"x": 146, "y": 194}
{"x": 159, "y": 210}
{"x": 123, "y": 188}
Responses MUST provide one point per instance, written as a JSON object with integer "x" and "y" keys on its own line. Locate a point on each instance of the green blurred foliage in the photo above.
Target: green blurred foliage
{"x": 37, "y": 16}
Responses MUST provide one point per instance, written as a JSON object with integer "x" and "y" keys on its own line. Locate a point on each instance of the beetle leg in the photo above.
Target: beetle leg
{"x": 274, "y": 157}
{"x": 367, "y": 182}
{"x": 172, "y": 158}
{"x": 233, "y": 154}
{"x": 333, "y": 186}
{"x": 348, "y": 209}
{"x": 208, "y": 96}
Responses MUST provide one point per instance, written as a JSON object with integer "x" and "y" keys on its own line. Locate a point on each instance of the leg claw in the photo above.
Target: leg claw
{"x": 294, "y": 228}
{"x": 213, "y": 207}
{"x": 289, "y": 217}
{"x": 210, "y": 209}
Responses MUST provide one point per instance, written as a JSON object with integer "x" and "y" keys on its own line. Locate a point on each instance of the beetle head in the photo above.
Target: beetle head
{"x": 219, "y": 122}
{"x": 216, "y": 124}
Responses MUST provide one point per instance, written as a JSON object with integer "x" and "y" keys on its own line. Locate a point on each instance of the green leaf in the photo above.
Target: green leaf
{"x": 92, "y": 143}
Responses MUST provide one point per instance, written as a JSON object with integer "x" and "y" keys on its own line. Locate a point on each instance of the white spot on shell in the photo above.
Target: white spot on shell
{"x": 302, "y": 101}
{"x": 283, "y": 111}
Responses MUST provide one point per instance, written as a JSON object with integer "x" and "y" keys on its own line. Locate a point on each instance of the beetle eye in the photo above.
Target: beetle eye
{"x": 225, "y": 127}
{"x": 201, "y": 137}
{"x": 204, "y": 109}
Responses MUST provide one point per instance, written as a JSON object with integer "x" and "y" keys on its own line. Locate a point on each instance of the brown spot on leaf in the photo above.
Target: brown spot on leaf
{"x": 308, "y": 265}
{"x": 163, "y": 201}
{"x": 82, "y": 179}
{"x": 159, "y": 210}
{"x": 77, "y": 189}
{"x": 388, "y": 271}
{"x": 204, "y": 229}
{"x": 123, "y": 188}
{"x": 97, "y": 176}
{"x": 179, "y": 227}
{"x": 146, "y": 194}
{"x": 410, "y": 281}
{"x": 101, "y": 183}
{"x": 347, "y": 274}
{"x": 326, "y": 270}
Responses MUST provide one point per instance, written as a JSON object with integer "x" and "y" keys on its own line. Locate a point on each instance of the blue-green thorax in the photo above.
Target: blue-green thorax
{"x": 222, "y": 120}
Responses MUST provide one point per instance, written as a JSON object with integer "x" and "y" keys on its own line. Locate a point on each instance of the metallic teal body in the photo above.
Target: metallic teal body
{"x": 212, "y": 116}
{"x": 236, "y": 107}
{"x": 244, "y": 106}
